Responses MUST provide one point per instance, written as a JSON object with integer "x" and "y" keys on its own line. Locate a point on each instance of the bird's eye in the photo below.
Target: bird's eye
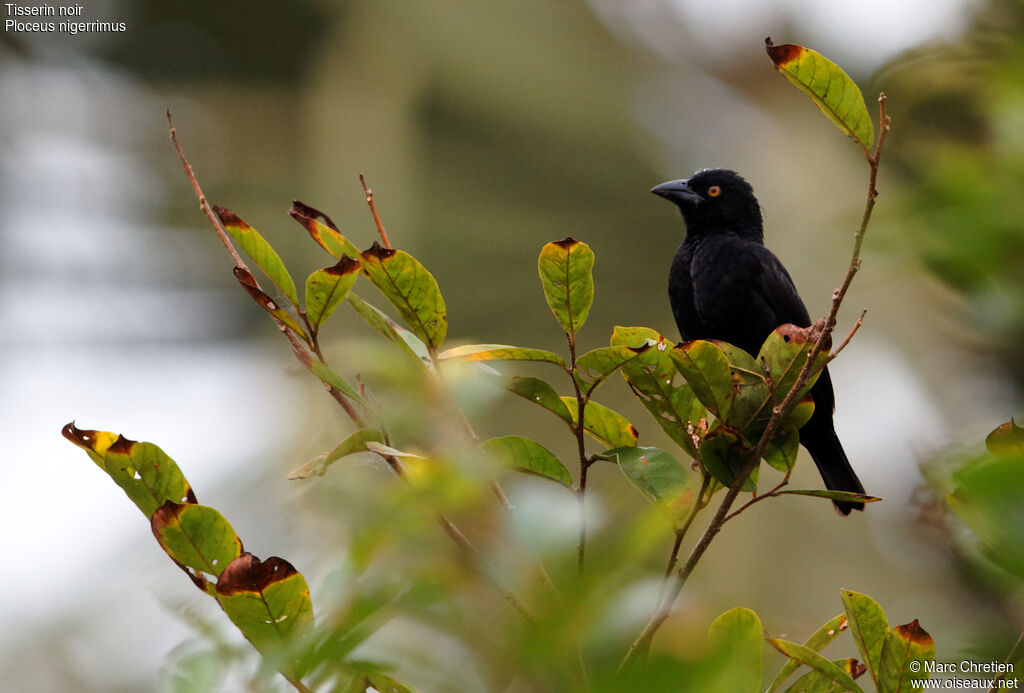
{"x": 714, "y": 191}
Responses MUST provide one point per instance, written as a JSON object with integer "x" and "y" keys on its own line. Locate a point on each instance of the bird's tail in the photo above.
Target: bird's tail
{"x": 834, "y": 467}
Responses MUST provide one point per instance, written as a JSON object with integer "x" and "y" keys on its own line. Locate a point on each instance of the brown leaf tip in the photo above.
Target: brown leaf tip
{"x": 379, "y": 252}
{"x": 227, "y": 217}
{"x": 82, "y": 437}
{"x": 783, "y": 54}
{"x": 122, "y": 446}
{"x": 346, "y": 265}
{"x": 302, "y": 213}
{"x": 913, "y": 633}
{"x": 248, "y": 574}
{"x": 566, "y": 243}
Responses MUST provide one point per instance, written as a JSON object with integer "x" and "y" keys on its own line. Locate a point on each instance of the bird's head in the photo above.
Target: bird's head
{"x": 713, "y": 200}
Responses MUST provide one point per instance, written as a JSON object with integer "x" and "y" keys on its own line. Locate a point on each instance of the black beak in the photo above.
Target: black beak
{"x": 679, "y": 192}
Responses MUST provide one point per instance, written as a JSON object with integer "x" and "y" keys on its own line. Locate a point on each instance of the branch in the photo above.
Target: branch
{"x": 376, "y": 217}
{"x": 581, "y": 448}
{"x": 642, "y": 643}
{"x": 303, "y": 354}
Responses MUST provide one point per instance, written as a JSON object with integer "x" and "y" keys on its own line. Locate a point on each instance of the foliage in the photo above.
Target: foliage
{"x": 725, "y": 410}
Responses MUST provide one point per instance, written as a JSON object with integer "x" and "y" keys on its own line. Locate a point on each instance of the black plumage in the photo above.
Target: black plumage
{"x": 725, "y": 284}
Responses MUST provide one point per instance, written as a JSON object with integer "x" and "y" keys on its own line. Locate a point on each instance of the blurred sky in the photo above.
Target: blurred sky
{"x": 119, "y": 309}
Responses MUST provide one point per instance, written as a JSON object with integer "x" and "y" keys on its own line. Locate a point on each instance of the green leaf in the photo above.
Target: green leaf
{"x": 751, "y": 405}
{"x": 736, "y": 638}
{"x": 406, "y": 341}
{"x": 821, "y": 637}
{"x": 269, "y": 602}
{"x": 650, "y": 375}
{"x": 325, "y": 233}
{"x": 328, "y": 376}
{"x": 868, "y": 626}
{"x": 829, "y": 87}
{"x": 594, "y": 367}
{"x": 196, "y": 537}
{"x": 501, "y": 352}
{"x": 353, "y": 444}
{"x": 782, "y": 451}
{"x": 326, "y": 288}
{"x": 248, "y": 282}
{"x": 845, "y": 496}
{"x": 146, "y": 474}
{"x": 816, "y": 682}
{"x": 565, "y": 269}
{"x": 903, "y": 645}
{"x": 658, "y": 476}
{"x": 539, "y": 392}
{"x": 411, "y": 289}
{"x": 705, "y": 368}
{"x": 529, "y": 457}
{"x": 815, "y": 661}
{"x": 256, "y": 247}
{"x": 724, "y": 455}
{"x": 608, "y": 427}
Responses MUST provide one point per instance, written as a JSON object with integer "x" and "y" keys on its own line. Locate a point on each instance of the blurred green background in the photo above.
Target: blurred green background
{"x": 485, "y": 129}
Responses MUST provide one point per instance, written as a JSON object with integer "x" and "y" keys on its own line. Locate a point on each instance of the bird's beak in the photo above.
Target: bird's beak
{"x": 677, "y": 191}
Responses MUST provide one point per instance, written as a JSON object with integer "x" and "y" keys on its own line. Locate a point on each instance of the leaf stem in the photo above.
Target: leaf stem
{"x": 642, "y": 644}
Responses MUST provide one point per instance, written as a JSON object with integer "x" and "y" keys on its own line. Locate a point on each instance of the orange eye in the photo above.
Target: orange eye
{"x": 714, "y": 191}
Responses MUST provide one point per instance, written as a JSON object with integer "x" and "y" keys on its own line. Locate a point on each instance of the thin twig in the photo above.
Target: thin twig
{"x": 581, "y": 447}
{"x": 305, "y": 356}
{"x": 1011, "y": 659}
{"x": 203, "y": 204}
{"x": 642, "y": 643}
{"x": 376, "y": 217}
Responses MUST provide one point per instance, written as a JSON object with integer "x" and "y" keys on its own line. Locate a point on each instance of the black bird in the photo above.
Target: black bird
{"x": 725, "y": 284}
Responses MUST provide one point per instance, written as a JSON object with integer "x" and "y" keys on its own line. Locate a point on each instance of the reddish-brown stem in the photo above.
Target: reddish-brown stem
{"x": 373, "y": 210}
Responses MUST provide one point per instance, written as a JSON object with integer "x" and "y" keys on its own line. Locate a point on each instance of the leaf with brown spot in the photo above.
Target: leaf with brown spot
{"x": 608, "y": 427}
{"x": 143, "y": 471}
{"x": 903, "y": 646}
{"x": 816, "y": 682}
{"x": 829, "y": 87}
{"x": 411, "y": 289}
{"x": 566, "y": 274}
{"x": 325, "y": 233}
{"x": 261, "y": 252}
{"x": 196, "y": 537}
{"x": 269, "y": 602}
{"x": 265, "y": 302}
{"x": 327, "y": 287}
